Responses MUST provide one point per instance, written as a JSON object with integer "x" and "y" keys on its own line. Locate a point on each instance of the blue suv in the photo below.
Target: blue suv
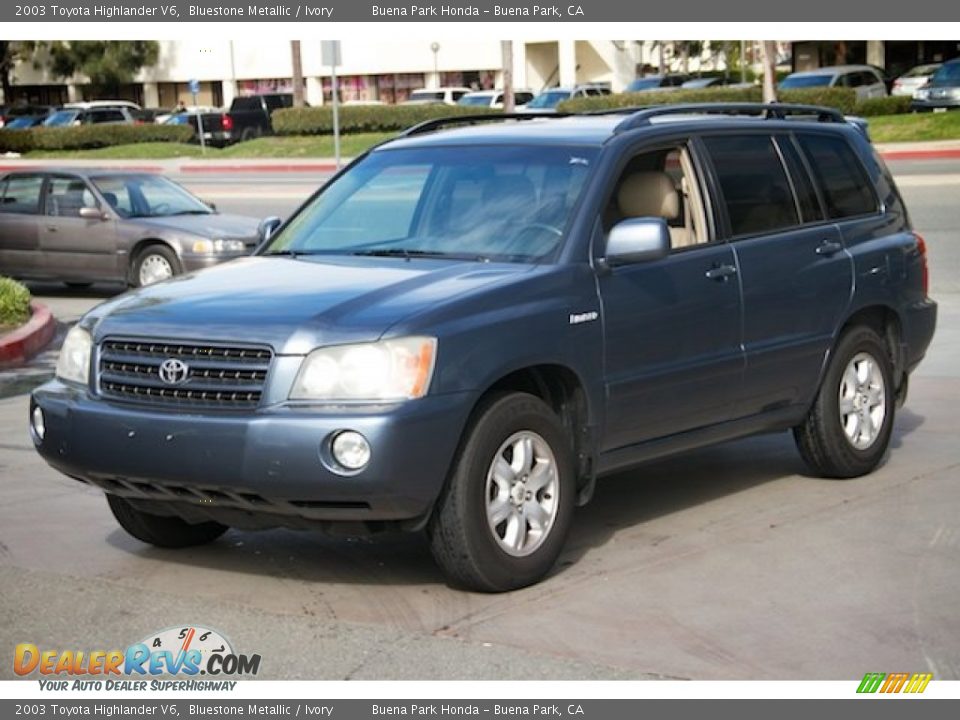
{"x": 468, "y": 326}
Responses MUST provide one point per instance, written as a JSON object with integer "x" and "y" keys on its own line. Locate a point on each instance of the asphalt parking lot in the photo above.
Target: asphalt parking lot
{"x": 726, "y": 563}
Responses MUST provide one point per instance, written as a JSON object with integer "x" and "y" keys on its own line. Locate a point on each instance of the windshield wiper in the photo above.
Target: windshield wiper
{"x": 189, "y": 212}
{"x": 410, "y": 253}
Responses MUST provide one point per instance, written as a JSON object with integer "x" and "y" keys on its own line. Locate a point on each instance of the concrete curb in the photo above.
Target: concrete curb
{"x": 26, "y": 341}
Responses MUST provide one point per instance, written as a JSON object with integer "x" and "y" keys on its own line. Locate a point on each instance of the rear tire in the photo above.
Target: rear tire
{"x": 847, "y": 431}
{"x": 504, "y": 515}
{"x": 162, "y": 530}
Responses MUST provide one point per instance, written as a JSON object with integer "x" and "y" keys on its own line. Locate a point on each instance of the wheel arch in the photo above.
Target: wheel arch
{"x": 140, "y": 246}
{"x": 562, "y": 389}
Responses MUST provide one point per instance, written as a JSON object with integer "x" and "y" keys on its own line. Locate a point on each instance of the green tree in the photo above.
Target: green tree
{"x": 10, "y": 52}
{"x": 108, "y": 64}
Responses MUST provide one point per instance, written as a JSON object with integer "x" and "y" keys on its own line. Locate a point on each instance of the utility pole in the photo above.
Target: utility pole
{"x": 506, "y": 48}
{"x": 297, "y": 73}
{"x": 743, "y": 61}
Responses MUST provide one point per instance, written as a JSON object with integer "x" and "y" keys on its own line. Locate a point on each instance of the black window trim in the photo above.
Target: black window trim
{"x": 879, "y": 207}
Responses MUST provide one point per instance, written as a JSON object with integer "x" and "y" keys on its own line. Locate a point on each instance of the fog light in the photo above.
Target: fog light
{"x": 351, "y": 450}
{"x": 36, "y": 419}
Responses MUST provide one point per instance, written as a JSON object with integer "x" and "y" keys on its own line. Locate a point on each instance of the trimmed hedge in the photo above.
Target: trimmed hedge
{"x": 844, "y": 99}
{"x": 87, "y": 137}
{"x": 893, "y": 105}
{"x": 14, "y": 303}
{"x": 363, "y": 118}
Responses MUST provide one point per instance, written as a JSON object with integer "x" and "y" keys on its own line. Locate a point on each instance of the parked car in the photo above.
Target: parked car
{"x": 251, "y": 115}
{"x": 710, "y": 82}
{"x": 942, "y": 92}
{"x": 656, "y": 82}
{"x": 104, "y": 105}
{"x": 217, "y": 125}
{"x": 866, "y": 80}
{"x": 21, "y": 117}
{"x": 547, "y": 101}
{"x": 436, "y": 96}
{"x": 139, "y": 228}
{"x": 912, "y": 80}
{"x": 494, "y": 98}
{"x": 68, "y": 117}
{"x": 466, "y": 328}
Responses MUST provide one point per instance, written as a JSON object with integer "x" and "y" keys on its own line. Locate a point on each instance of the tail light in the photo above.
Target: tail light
{"x": 227, "y": 122}
{"x": 924, "y": 269}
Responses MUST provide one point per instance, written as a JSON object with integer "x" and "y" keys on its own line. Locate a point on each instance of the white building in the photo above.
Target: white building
{"x": 385, "y": 71}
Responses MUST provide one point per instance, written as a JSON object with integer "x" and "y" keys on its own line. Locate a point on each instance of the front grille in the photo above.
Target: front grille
{"x": 216, "y": 376}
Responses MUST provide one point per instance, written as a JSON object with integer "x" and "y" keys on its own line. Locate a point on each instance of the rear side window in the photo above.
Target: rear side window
{"x": 246, "y": 103}
{"x": 22, "y": 195}
{"x": 754, "y": 184}
{"x": 844, "y": 183}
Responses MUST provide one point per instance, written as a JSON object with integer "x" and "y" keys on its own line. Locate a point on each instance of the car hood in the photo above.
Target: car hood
{"x": 294, "y": 305}
{"x": 214, "y": 225}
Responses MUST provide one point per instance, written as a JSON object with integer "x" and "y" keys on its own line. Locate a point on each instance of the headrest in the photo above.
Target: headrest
{"x": 648, "y": 194}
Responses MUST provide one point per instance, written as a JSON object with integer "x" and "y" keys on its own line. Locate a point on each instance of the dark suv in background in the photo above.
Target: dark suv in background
{"x": 470, "y": 325}
{"x": 250, "y": 115}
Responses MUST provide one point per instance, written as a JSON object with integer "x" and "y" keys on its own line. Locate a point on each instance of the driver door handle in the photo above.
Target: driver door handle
{"x": 829, "y": 247}
{"x": 721, "y": 272}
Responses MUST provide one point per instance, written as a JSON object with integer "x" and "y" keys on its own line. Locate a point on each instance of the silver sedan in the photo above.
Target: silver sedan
{"x": 101, "y": 225}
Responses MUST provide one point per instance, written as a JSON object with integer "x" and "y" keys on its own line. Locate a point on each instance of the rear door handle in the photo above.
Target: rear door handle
{"x": 829, "y": 247}
{"x": 52, "y": 228}
{"x": 721, "y": 272}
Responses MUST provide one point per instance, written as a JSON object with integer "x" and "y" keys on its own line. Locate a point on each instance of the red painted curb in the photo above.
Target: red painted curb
{"x": 946, "y": 154}
{"x": 27, "y": 340}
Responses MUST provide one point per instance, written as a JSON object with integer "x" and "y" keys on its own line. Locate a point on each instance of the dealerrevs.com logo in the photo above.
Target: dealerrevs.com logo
{"x": 889, "y": 683}
{"x": 187, "y": 651}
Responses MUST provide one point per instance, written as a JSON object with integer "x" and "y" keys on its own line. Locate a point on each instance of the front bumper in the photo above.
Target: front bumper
{"x": 197, "y": 261}
{"x": 929, "y": 104}
{"x": 257, "y": 469}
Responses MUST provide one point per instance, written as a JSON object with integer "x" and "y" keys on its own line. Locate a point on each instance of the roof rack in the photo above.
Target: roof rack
{"x": 641, "y": 116}
{"x": 438, "y": 123}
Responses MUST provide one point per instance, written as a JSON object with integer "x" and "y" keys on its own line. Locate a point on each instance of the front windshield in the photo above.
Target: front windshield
{"x": 805, "y": 81}
{"x": 148, "y": 196}
{"x": 947, "y": 76}
{"x": 549, "y": 99}
{"x": 421, "y": 95}
{"x": 61, "y": 118}
{"x": 476, "y": 203}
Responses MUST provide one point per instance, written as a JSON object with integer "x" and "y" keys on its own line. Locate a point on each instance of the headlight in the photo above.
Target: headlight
{"x": 209, "y": 247}
{"x": 74, "y": 361}
{"x": 389, "y": 370}
{"x": 921, "y": 94}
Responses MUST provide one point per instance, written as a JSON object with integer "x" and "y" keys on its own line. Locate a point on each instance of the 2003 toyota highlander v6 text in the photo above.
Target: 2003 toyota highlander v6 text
{"x": 466, "y": 327}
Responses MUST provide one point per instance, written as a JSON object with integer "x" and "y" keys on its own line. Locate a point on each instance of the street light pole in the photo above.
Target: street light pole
{"x": 435, "y": 49}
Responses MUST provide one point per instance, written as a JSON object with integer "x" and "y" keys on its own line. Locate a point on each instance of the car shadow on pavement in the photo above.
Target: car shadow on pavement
{"x": 75, "y": 290}
{"x": 624, "y": 500}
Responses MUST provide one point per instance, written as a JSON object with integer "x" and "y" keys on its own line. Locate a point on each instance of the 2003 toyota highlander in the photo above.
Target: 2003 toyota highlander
{"x": 469, "y": 325}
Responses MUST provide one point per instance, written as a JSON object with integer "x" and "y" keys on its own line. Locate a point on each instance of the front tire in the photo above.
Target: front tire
{"x": 847, "y": 431}
{"x": 155, "y": 263}
{"x": 506, "y": 511}
{"x": 162, "y": 530}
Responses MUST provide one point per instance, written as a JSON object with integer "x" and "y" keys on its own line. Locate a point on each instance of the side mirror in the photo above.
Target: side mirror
{"x": 637, "y": 240}
{"x": 268, "y": 226}
{"x": 210, "y": 205}
{"x": 92, "y": 213}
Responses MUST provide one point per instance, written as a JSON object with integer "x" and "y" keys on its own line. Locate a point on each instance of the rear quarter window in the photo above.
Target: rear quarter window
{"x": 756, "y": 193}
{"x": 844, "y": 184}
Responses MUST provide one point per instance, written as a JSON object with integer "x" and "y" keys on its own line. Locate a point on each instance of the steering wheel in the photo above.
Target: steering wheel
{"x": 160, "y": 209}
{"x": 524, "y": 229}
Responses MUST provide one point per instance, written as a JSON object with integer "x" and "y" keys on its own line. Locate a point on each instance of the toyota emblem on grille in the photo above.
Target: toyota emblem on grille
{"x": 173, "y": 371}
